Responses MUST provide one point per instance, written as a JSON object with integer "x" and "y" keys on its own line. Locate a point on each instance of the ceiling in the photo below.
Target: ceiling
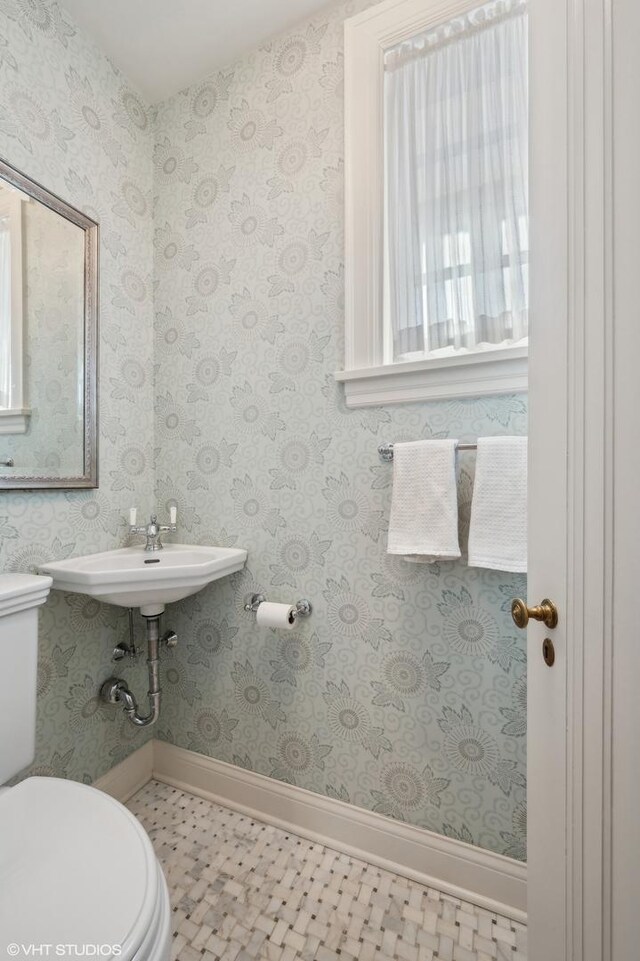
{"x": 163, "y": 46}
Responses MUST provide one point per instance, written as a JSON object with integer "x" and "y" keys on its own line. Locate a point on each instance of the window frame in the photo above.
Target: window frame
{"x": 367, "y": 379}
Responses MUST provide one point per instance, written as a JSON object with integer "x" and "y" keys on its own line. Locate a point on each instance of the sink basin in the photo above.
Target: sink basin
{"x": 132, "y": 577}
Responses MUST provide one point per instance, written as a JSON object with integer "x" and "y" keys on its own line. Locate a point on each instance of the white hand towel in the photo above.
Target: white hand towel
{"x": 424, "y": 504}
{"x": 498, "y": 530}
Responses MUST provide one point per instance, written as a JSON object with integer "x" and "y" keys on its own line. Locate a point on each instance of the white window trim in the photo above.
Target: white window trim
{"x": 15, "y": 419}
{"x": 366, "y": 378}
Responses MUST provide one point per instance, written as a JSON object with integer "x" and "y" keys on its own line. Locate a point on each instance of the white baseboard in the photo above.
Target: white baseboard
{"x": 127, "y": 777}
{"x": 489, "y": 880}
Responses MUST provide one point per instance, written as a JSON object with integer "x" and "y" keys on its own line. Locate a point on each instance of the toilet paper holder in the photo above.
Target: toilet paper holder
{"x": 302, "y": 608}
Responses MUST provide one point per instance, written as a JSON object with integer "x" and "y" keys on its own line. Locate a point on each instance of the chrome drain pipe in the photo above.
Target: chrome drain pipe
{"x": 116, "y": 691}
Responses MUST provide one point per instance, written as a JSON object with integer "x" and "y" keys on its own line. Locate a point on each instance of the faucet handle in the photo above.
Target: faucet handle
{"x": 134, "y": 528}
{"x": 133, "y": 517}
{"x": 171, "y": 527}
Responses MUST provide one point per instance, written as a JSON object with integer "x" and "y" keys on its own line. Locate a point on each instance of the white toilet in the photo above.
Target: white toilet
{"x": 76, "y": 868}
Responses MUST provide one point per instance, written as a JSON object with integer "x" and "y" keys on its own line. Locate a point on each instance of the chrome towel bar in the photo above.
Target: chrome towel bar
{"x": 386, "y": 450}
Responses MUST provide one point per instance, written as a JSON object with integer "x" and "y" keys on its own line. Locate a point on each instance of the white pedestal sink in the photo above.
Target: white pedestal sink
{"x": 133, "y": 577}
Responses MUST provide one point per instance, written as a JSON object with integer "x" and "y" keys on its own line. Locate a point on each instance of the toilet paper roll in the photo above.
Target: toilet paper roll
{"x": 280, "y": 616}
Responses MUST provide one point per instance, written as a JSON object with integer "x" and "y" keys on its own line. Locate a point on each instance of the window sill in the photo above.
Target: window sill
{"x": 470, "y": 375}
{"x": 14, "y": 421}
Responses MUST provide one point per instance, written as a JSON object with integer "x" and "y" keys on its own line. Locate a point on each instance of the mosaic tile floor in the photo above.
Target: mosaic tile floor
{"x": 242, "y": 891}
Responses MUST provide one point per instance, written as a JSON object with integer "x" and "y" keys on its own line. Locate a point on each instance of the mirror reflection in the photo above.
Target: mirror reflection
{"x": 47, "y": 367}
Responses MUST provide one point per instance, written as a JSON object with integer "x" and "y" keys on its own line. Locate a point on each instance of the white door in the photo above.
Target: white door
{"x": 584, "y": 529}
{"x": 548, "y": 483}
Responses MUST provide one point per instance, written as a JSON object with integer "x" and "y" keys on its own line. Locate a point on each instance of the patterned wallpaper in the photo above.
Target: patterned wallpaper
{"x": 69, "y": 120}
{"x": 405, "y": 691}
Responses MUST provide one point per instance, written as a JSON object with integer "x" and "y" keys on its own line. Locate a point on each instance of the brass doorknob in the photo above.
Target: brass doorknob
{"x": 546, "y": 611}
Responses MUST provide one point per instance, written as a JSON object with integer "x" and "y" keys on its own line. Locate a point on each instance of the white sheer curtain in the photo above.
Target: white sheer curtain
{"x": 456, "y": 118}
{"x": 5, "y": 311}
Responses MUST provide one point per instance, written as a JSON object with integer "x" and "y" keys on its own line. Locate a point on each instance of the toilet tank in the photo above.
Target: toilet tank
{"x": 20, "y": 597}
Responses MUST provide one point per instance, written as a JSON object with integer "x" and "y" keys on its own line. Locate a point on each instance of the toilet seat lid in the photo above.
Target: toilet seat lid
{"x": 75, "y": 868}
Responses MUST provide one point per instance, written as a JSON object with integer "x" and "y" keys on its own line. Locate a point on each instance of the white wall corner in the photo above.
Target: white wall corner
{"x": 127, "y": 777}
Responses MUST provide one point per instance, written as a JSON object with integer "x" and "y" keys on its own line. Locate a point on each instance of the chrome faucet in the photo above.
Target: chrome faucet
{"x": 153, "y": 530}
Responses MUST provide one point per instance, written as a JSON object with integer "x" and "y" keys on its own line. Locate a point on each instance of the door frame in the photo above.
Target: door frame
{"x": 571, "y": 383}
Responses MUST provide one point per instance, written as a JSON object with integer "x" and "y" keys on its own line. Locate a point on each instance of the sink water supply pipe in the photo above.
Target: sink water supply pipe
{"x": 116, "y": 691}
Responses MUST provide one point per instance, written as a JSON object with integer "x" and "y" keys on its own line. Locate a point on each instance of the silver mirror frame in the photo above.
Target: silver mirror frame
{"x": 89, "y": 478}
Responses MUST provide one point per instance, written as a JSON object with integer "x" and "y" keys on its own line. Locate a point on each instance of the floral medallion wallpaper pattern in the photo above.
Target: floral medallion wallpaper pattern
{"x": 405, "y": 691}
{"x": 69, "y": 121}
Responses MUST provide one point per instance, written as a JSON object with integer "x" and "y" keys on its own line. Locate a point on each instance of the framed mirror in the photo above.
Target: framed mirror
{"x": 48, "y": 339}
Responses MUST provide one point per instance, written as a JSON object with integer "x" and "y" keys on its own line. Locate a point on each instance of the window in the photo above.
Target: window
{"x": 437, "y": 207}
